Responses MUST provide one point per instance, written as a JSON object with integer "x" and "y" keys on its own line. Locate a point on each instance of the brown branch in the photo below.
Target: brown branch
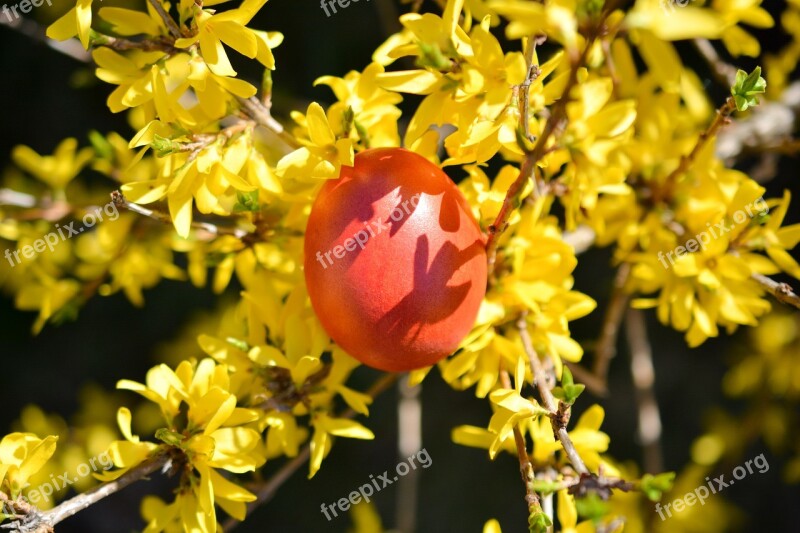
{"x": 13, "y": 198}
{"x": 554, "y": 122}
{"x": 120, "y": 201}
{"x": 256, "y": 110}
{"x": 664, "y": 193}
{"x": 607, "y": 345}
{"x": 781, "y": 291}
{"x": 94, "y": 495}
{"x": 724, "y": 72}
{"x": 644, "y": 377}
{"x": 167, "y": 18}
{"x": 525, "y": 465}
{"x": 533, "y": 73}
{"x": 768, "y": 125}
{"x": 409, "y": 441}
{"x": 596, "y": 386}
{"x": 581, "y": 239}
{"x": 29, "y": 28}
{"x": 559, "y": 415}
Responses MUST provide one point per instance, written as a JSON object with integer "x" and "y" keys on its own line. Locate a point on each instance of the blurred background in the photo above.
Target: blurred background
{"x": 47, "y": 96}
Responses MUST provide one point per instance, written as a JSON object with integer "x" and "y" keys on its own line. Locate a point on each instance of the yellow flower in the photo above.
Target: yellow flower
{"x": 529, "y": 18}
{"x": 322, "y": 155}
{"x": 55, "y": 170}
{"x": 374, "y": 109}
{"x": 736, "y": 40}
{"x": 76, "y": 21}
{"x": 22, "y": 455}
{"x": 568, "y": 515}
{"x": 230, "y": 27}
{"x": 130, "y": 22}
{"x": 211, "y": 432}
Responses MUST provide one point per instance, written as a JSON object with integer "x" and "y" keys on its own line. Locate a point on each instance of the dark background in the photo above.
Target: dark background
{"x": 462, "y": 489}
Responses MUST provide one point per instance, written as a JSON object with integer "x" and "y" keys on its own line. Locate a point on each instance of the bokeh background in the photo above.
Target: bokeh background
{"x": 46, "y": 96}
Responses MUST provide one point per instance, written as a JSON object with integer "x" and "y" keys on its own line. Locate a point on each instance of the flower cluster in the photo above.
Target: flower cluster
{"x": 570, "y": 115}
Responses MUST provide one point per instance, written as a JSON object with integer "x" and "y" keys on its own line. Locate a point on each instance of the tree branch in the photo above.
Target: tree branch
{"x": 664, "y": 192}
{"x": 644, "y": 377}
{"x": 528, "y": 166}
{"x": 120, "y": 201}
{"x": 781, "y": 291}
{"x": 257, "y": 111}
{"x": 768, "y": 125}
{"x": 724, "y": 72}
{"x": 607, "y": 345}
{"x": 409, "y": 441}
{"x": 92, "y": 496}
{"x": 167, "y": 18}
{"x": 559, "y": 417}
{"x": 525, "y": 465}
{"x": 29, "y": 28}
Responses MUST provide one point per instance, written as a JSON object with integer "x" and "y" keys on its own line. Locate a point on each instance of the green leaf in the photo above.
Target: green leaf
{"x": 655, "y": 486}
{"x": 590, "y": 8}
{"x": 569, "y": 391}
{"x": 362, "y": 133}
{"x": 431, "y": 56}
{"x": 266, "y": 82}
{"x": 522, "y": 141}
{"x": 545, "y": 486}
{"x": 348, "y": 117}
{"x": 246, "y": 201}
{"x": 238, "y": 343}
{"x": 163, "y": 146}
{"x": 747, "y": 87}
{"x": 539, "y": 522}
{"x": 169, "y": 437}
{"x": 101, "y": 145}
{"x": 591, "y": 506}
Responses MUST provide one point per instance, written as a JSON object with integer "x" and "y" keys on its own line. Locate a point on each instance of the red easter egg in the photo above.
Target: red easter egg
{"x": 395, "y": 263}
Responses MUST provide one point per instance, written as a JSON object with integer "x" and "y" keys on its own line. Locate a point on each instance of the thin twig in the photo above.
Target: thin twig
{"x": 162, "y": 43}
{"x": 533, "y": 73}
{"x": 611, "y": 65}
{"x": 29, "y": 28}
{"x": 120, "y": 201}
{"x": 525, "y": 465}
{"x": 167, "y": 18}
{"x": 94, "y": 495}
{"x": 581, "y": 239}
{"x": 554, "y": 122}
{"x": 409, "y": 441}
{"x": 14, "y": 198}
{"x": 781, "y": 291}
{"x": 769, "y": 123}
{"x": 549, "y": 401}
{"x": 596, "y": 386}
{"x": 724, "y": 72}
{"x": 664, "y": 193}
{"x": 256, "y": 110}
{"x": 644, "y": 377}
{"x": 607, "y": 345}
